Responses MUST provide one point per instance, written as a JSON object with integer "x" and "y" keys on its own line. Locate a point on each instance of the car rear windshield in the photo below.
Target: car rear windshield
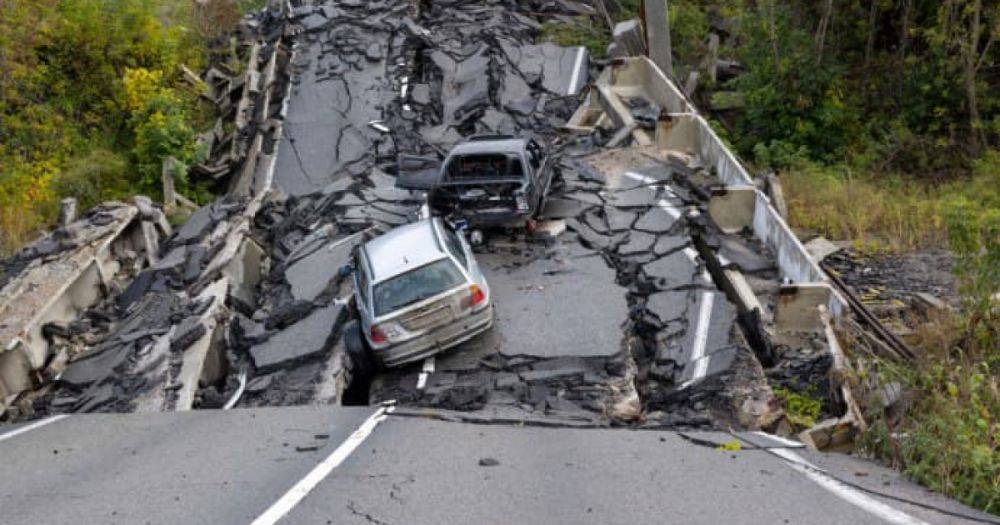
{"x": 484, "y": 166}
{"x": 416, "y": 285}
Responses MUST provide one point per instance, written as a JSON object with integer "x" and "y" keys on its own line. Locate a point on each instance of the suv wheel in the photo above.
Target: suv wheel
{"x": 362, "y": 362}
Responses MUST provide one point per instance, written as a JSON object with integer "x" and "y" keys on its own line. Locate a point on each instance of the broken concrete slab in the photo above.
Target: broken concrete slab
{"x": 732, "y": 208}
{"x": 311, "y": 275}
{"x": 306, "y": 338}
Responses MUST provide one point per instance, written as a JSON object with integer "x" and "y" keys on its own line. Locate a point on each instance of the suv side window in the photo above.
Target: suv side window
{"x": 455, "y": 246}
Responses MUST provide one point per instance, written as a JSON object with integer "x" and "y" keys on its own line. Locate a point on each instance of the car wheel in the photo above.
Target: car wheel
{"x": 362, "y": 362}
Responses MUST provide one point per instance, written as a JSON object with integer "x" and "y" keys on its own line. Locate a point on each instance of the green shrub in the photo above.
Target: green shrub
{"x": 99, "y": 176}
{"x": 801, "y": 408}
{"x": 583, "y": 31}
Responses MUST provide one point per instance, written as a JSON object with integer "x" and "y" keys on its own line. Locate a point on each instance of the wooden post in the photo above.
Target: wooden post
{"x": 67, "y": 211}
{"x": 658, "y": 35}
{"x": 713, "y": 57}
{"x": 169, "y": 192}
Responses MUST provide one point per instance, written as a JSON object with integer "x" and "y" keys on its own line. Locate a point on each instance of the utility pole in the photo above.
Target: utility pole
{"x": 658, "y": 35}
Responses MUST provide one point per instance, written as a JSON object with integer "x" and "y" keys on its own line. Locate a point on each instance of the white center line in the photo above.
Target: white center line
{"x": 425, "y": 372}
{"x": 302, "y": 489}
{"x": 845, "y": 492}
{"x": 701, "y": 339}
{"x": 28, "y": 428}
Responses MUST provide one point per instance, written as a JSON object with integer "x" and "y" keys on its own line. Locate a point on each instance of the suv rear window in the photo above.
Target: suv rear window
{"x": 416, "y": 285}
{"x": 484, "y": 166}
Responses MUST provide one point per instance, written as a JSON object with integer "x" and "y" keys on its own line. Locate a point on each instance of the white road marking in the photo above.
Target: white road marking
{"x": 784, "y": 441}
{"x": 574, "y": 79}
{"x": 300, "y": 490}
{"x": 239, "y": 391}
{"x": 845, "y": 492}
{"x": 425, "y": 372}
{"x": 701, "y": 339}
{"x": 28, "y": 428}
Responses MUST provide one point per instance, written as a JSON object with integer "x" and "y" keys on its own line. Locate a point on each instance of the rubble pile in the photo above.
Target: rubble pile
{"x": 135, "y": 340}
{"x": 432, "y": 75}
{"x": 246, "y": 101}
{"x": 155, "y": 333}
{"x": 45, "y": 286}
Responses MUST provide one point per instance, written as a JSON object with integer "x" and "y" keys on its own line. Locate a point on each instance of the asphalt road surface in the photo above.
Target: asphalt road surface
{"x": 359, "y": 465}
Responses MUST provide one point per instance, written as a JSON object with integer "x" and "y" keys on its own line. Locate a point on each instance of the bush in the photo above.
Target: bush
{"x": 160, "y": 125}
{"x": 949, "y": 436}
{"x": 99, "y": 176}
{"x": 63, "y": 96}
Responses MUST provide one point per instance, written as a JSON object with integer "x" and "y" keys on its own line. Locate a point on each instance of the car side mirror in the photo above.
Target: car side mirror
{"x": 346, "y": 270}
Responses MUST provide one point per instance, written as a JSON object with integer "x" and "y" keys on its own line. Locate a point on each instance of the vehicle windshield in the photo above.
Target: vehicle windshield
{"x": 416, "y": 285}
{"x": 484, "y": 166}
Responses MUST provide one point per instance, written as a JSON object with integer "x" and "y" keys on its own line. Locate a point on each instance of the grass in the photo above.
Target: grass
{"x": 888, "y": 214}
{"x": 584, "y": 31}
{"x": 946, "y": 436}
{"x": 885, "y": 212}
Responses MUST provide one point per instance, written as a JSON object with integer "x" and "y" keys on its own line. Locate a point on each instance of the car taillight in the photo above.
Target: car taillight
{"x": 378, "y": 337}
{"x": 476, "y": 296}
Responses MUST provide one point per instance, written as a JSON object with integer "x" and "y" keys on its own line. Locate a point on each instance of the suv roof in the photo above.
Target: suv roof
{"x": 402, "y": 249}
{"x": 490, "y": 145}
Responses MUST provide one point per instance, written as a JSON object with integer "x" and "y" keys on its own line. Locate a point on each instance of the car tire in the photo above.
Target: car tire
{"x": 362, "y": 362}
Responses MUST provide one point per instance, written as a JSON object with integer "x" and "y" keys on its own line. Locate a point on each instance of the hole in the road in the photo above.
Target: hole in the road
{"x": 357, "y": 391}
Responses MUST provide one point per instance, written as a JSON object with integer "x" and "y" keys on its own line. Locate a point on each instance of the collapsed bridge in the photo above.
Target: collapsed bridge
{"x": 663, "y": 288}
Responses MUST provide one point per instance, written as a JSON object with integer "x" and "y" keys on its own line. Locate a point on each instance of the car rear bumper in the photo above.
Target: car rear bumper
{"x": 496, "y": 219}
{"x": 437, "y": 340}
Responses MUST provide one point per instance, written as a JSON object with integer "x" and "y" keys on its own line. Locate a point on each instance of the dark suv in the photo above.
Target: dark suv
{"x": 495, "y": 180}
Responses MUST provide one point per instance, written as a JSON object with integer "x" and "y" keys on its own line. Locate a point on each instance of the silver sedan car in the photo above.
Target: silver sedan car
{"x": 418, "y": 291}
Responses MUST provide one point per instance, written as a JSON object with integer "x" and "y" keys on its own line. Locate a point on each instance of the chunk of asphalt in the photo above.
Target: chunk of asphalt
{"x": 174, "y": 260}
{"x": 671, "y": 271}
{"x": 136, "y": 289}
{"x": 192, "y": 267}
{"x": 310, "y": 275}
{"x": 196, "y": 226}
{"x": 720, "y": 321}
{"x": 314, "y": 22}
{"x": 634, "y": 198}
{"x": 718, "y": 362}
{"x": 655, "y": 220}
{"x": 541, "y": 376}
{"x": 287, "y": 313}
{"x": 94, "y": 367}
{"x": 189, "y": 331}
{"x": 669, "y": 306}
{"x": 638, "y": 242}
{"x": 306, "y": 338}
{"x": 667, "y": 244}
{"x": 562, "y": 209}
{"x": 95, "y": 397}
{"x": 619, "y": 220}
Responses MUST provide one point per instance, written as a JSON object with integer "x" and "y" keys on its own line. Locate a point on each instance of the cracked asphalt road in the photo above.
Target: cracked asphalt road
{"x": 217, "y": 467}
